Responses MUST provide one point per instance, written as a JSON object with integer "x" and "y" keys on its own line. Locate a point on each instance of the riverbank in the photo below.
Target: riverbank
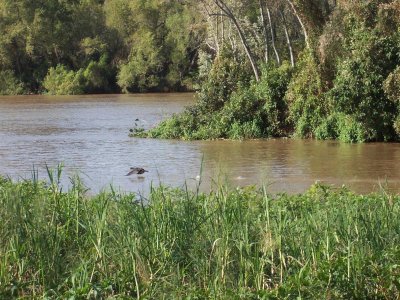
{"x": 229, "y": 244}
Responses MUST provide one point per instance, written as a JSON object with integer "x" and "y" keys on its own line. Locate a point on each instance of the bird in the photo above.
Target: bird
{"x": 135, "y": 170}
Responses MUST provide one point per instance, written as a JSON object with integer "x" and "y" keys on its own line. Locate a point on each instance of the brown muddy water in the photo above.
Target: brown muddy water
{"x": 89, "y": 135}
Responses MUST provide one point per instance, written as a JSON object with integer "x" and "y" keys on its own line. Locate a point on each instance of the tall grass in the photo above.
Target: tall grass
{"x": 229, "y": 244}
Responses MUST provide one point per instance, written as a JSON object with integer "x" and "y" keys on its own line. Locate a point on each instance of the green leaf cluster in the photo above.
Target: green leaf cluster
{"x": 9, "y": 85}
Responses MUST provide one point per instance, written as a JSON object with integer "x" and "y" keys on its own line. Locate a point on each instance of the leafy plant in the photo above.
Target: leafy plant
{"x": 9, "y": 85}
{"x": 61, "y": 81}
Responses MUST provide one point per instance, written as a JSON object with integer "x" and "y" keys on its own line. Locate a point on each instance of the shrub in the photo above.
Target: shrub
{"x": 352, "y": 94}
{"x": 141, "y": 71}
{"x": 230, "y": 106}
{"x": 179, "y": 126}
{"x": 9, "y": 85}
{"x": 329, "y": 128}
{"x": 391, "y": 86}
{"x": 358, "y": 87}
{"x": 61, "y": 81}
{"x": 225, "y": 77}
{"x": 307, "y": 108}
{"x": 272, "y": 89}
{"x": 243, "y": 116}
{"x": 135, "y": 77}
{"x": 351, "y": 131}
{"x": 96, "y": 76}
{"x": 219, "y": 104}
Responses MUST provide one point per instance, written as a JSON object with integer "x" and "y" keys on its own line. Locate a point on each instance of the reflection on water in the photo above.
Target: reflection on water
{"x": 292, "y": 165}
{"x": 89, "y": 134}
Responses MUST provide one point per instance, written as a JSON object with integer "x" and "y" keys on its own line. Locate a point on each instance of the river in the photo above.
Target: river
{"x": 89, "y": 135}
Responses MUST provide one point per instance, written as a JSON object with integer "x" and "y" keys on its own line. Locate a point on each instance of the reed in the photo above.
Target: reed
{"x": 228, "y": 244}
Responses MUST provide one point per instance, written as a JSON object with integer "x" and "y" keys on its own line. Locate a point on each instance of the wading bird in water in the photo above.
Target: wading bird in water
{"x": 135, "y": 170}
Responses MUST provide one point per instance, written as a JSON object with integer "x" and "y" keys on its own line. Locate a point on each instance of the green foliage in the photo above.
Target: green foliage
{"x": 350, "y": 93}
{"x": 180, "y": 44}
{"x": 94, "y": 78}
{"x": 359, "y": 94}
{"x": 9, "y": 85}
{"x": 229, "y": 106}
{"x": 61, "y": 81}
{"x": 179, "y": 126}
{"x": 142, "y": 43}
{"x": 92, "y": 48}
{"x": 162, "y": 45}
{"x": 140, "y": 73}
{"x": 229, "y": 244}
{"x": 391, "y": 86}
{"x": 363, "y": 88}
{"x": 98, "y": 76}
{"x": 396, "y": 125}
{"x": 242, "y": 116}
{"x": 329, "y": 127}
{"x": 259, "y": 110}
{"x": 205, "y": 63}
{"x": 341, "y": 126}
{"x": 345, "y": 84}
{"x": 272, "y": 89}
{"x": 225, "y": 77}
{"x": 307, "y": 107}
{"x": 119, "y": 17}
{"x": 208, "y": 117}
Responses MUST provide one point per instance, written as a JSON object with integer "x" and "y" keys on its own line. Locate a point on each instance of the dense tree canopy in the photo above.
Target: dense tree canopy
{"x": 97, "y": 46}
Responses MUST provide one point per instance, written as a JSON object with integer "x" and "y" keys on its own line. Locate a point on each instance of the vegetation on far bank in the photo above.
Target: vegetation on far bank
{"x": 177, "y": 244}
{"x": 97, "y": 46}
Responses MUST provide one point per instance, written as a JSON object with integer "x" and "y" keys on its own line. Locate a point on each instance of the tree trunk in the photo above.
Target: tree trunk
{"x": 217, "y": 35}
{"x": 301, "y": 22}
{"x": 278, "y": 60}
{"x": 223, "y": 30}
{"x": 289, "y": 43}
{"x": 265, "y": 31}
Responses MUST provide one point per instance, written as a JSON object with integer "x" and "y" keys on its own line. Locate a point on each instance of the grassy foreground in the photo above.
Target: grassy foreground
{"x": 240, "y": 244}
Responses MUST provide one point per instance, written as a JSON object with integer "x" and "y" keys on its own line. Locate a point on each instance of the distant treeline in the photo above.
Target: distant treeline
{"x": 94, "y": 46}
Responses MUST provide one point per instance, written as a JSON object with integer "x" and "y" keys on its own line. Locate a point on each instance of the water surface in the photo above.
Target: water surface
{"x": 89, "y": 135}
